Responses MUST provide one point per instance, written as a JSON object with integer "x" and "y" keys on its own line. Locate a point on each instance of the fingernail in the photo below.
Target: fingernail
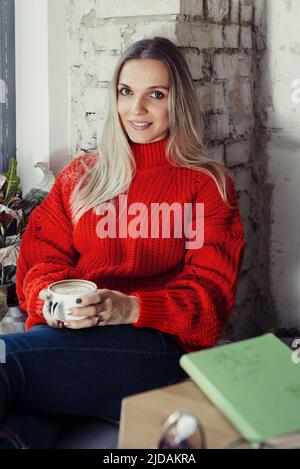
{"x": 66, "y": 323}
{"x": 70, "y": 312}
{"x": 78, "y": 301}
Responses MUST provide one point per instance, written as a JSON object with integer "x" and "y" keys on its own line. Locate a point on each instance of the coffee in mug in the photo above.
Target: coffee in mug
{"x": 64, "y": 294}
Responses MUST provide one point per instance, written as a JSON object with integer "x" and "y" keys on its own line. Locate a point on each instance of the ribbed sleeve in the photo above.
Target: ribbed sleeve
{"x": 47, "y": 253}
{"x": 195, "y": 305}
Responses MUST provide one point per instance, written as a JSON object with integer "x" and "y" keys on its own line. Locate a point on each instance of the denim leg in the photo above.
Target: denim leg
{"x": 84, "y": 372}
{"x": 37, "y": 431}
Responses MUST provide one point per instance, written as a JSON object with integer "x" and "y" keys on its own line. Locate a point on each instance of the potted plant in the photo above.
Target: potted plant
{"x": 14, "y": 216}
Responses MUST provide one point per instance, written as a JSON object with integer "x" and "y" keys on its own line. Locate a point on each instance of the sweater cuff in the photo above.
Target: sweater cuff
{"x": 33, "y": 321}
{"x": 152, "y": 312}
{"x": 35, "y": 303}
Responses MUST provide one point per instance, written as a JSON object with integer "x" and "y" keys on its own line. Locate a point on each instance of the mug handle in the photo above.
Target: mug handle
{"x": 53, "y": 308}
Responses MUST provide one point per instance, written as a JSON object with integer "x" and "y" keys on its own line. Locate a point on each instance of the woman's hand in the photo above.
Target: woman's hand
{"x": 51, "y": 321}
{"x": 105, "y": 307}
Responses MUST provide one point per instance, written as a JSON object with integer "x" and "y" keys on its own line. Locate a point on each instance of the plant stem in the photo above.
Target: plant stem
{"x": 18, "y": 236}
{"x": 2, "y": 274}
{"x": 2, "y": 231}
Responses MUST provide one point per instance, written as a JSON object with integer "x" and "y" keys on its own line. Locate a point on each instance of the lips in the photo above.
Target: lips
{"x": 140, "y": 125}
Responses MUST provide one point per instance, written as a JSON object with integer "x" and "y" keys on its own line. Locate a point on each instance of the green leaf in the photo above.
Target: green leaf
{"x": 13, "y": 181}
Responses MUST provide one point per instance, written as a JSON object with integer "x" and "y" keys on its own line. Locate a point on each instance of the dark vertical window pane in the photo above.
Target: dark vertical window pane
{"x": 7, "y": 83}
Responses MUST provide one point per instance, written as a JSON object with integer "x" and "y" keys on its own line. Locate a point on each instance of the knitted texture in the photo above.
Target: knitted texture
{"x": 186, "y": 292}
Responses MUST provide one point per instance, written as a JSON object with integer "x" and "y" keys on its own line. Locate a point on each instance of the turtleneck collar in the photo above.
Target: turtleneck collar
{"x": 150, "y": 155}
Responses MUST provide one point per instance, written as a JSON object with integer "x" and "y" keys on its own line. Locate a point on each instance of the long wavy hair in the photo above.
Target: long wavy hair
{"x": 115, "y": 165}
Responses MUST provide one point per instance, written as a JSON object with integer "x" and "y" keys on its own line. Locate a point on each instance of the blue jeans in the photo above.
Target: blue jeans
{"x": 62, "y": 372}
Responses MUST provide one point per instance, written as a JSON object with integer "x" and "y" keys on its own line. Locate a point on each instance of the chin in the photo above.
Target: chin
{"x": 141, "y": 139}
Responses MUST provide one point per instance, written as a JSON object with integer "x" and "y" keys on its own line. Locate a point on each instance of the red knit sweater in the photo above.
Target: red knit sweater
{"x": 186, "y": 292}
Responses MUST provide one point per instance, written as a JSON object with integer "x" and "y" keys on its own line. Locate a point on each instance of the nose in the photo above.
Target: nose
{"x": 138, "y": 107}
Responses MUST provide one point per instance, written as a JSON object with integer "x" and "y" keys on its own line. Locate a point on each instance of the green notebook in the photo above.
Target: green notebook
{"x": 254, "y": 382}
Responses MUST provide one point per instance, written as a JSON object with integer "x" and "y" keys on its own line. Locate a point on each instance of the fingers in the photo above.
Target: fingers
{"x": 85, "y": 323}
{"x": 87, "y": 311}
{"x": 107, "y": 305}
{"x": 104, "y": 306}
{"x": 93, "y": 298}
{"x": 104, "y": 318}
{"x": 100, "y": 319}
{"x": 44, "y": 295}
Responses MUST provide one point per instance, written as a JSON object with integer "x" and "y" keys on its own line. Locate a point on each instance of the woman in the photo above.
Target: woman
{"x": 160, "y": 295}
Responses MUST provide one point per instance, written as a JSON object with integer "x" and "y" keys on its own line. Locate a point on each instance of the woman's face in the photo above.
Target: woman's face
{"x": 143, "y": 91}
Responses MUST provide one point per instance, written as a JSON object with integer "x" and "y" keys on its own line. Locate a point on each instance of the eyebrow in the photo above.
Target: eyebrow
{"x": 149, "y": 88}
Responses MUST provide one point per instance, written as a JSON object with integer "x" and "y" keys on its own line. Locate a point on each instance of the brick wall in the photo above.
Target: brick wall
{"x": 222, "y": 41}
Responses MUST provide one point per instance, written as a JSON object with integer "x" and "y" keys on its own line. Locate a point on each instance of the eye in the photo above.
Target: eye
{"x": 158, "y": 92}
{"x": 122, "y": 89}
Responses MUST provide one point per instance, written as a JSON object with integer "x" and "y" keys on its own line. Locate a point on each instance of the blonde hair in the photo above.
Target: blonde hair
{"x": 115, "y": 165}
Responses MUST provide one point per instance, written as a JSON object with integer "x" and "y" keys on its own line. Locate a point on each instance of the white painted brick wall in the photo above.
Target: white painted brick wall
{"x": 211, "y": 97}
{"x": 250, "y": 248}
{"x": 101, "y": 67}
{"x": 106, "y": 37}
{"x": 218, "y": 127}
{"x": 246, "y": 10}
{"x": 125, "y": 8}
{"x": 241, "y": 98}
{"x": 192, "y": 7}
{"x": 242, "y": 177}
{"x": 259, "y": 12}
{"x": 217, "y": 9}
{"x": 146, "y": 29}
{"x": 95, "y": 101}
{"x": 238, "y": 153}
{"x": 235, "y": 11}
{"x": 242, "y": 288}
{"x": 241, "y": 126}
{"x": 260, "y": 16}
{"x": 231, "y": 36}
{"x": 203, "y": 36}
{"x": 217, "y": 153}
{"x": 246, "y": 37}
{"x": 230, "y": 67}
{"x": 195, "y": 61}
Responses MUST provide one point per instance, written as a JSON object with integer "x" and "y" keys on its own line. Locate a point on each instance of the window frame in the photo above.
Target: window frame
{"x": 7, "y": 75}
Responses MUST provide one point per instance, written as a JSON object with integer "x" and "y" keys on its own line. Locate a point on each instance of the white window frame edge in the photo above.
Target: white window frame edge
{"x": 42, "y": 87}
{"x": 7, "y": 84}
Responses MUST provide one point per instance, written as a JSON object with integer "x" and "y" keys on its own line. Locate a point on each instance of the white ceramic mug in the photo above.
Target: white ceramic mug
{"x": 64, "y": 294}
